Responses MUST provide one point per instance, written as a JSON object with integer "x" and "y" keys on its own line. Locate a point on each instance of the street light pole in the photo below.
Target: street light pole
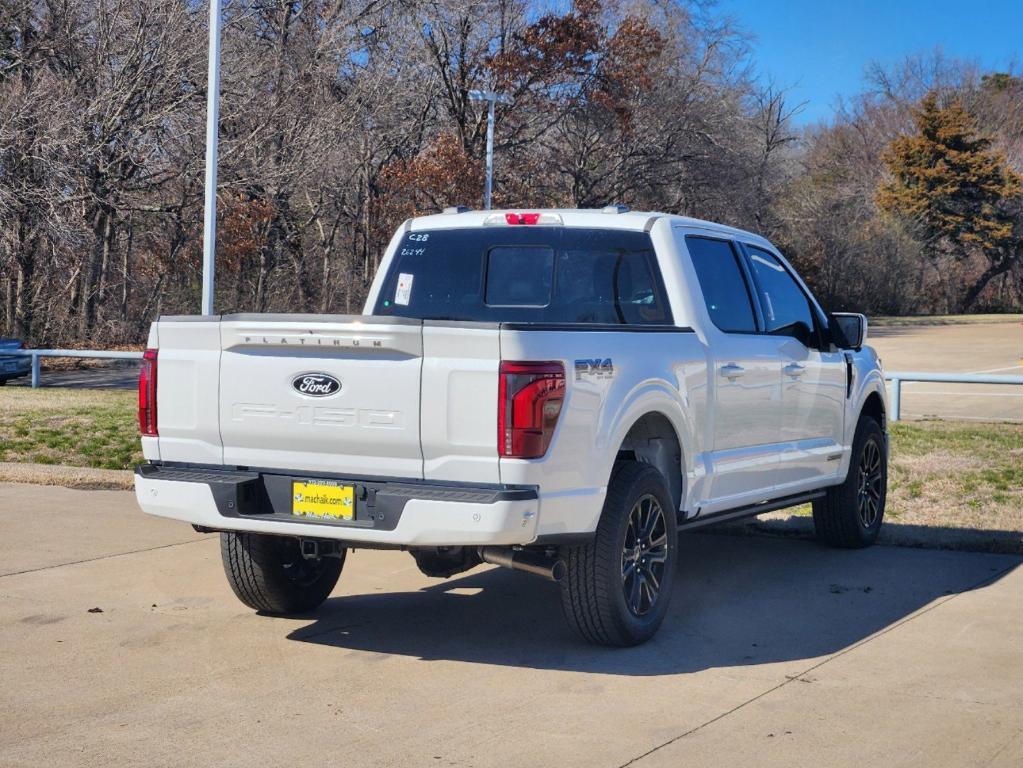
{"x": 488, "y": 185}
{"x": 209, "y": 235}
{"x": 491, "y": 98}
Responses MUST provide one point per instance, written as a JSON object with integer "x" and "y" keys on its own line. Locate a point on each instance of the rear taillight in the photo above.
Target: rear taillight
{"x": 528, "y": 405}
{"x": 147, "y": 394}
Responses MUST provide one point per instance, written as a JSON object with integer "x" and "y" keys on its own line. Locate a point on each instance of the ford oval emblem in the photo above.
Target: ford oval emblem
{"x": 316, "y": 385}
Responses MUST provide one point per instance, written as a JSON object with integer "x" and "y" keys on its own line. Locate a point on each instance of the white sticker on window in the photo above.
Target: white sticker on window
{"x": 404, "y": 290}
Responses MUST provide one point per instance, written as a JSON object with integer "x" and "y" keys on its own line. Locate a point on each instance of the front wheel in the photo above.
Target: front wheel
{"x": 617, "y": 588}
{"x": 850, "y": 515}
{"x": 270, "y": 574}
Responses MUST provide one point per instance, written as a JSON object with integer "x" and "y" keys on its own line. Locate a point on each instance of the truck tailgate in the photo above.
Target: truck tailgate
{"x": 337, "y": 395}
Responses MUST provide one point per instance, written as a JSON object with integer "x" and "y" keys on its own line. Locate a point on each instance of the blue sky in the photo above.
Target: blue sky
{"x": 820, "y": 49}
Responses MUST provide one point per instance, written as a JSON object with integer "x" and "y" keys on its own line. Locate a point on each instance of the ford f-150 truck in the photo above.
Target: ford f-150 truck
{"x": 555, "y": 391}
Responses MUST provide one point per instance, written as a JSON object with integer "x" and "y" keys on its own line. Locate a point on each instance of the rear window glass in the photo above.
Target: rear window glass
{"x": 526, "y": 274}
{"x": 519, "y": 277}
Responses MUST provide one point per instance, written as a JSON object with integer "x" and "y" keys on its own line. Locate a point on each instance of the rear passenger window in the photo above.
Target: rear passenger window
{"x": 608, "y": 287}
{"x": 723, "y": 284}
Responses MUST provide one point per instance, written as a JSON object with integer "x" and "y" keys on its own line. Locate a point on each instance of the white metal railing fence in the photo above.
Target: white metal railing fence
{"x": 897, "y": 377}
{"x": 36, "y": 354}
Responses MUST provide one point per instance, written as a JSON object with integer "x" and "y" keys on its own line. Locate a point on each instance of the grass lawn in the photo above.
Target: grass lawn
{"x": 955, "y": 474}
{"x": 72, "y": 427}
{"x": 949, "y": 474}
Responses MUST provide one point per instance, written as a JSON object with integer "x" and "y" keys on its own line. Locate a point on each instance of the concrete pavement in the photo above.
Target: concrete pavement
{"x": 776, "y": 652}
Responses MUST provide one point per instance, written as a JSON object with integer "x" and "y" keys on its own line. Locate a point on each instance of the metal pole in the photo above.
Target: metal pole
{"x": 488, "y": 189}
{"x": 896, "y": 398}
{"x": 35, "y": 371}
{"x": 491, "y": 98}
{"x": 209, "y": 237}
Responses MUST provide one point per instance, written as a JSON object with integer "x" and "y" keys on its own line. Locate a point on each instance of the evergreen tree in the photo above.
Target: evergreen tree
{"x": 961, "y": 194}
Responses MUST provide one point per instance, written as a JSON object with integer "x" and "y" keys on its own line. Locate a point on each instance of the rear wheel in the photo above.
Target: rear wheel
{"x": 270, "y": 574}
{"x": 850, "y": 514}
{"x": 617, "y": 588}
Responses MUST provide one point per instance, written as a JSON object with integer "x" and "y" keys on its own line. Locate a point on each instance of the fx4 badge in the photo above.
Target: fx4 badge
{"x": 598, "y": 368}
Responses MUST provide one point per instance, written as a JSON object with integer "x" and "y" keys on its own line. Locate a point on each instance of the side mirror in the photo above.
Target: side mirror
{"x": 848, "y": 330}
{"x": 799, "y": 331}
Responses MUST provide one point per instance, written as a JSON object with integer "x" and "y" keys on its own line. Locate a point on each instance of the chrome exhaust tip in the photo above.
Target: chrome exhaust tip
{"x": 550, "y": 568}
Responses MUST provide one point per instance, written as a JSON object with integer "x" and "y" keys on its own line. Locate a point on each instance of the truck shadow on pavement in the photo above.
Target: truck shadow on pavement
{"x": 738, "y": 601}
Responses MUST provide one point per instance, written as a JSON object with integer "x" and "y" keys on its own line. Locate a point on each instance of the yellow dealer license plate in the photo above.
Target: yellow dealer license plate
{"x": 328, "y": 500}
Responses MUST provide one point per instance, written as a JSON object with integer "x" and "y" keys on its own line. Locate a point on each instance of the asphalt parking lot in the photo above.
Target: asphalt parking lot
{"x": 776, "y": 653}
{"x": 120, "y": 374}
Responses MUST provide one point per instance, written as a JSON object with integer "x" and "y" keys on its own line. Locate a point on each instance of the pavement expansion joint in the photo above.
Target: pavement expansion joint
{"x": 101, "y": 557}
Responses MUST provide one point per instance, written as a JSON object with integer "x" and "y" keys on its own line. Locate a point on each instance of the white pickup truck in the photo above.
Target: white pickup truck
{"x": 556, "y": 391}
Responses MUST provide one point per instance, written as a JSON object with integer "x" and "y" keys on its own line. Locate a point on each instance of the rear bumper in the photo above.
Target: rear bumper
{"x": 387, "y": 512}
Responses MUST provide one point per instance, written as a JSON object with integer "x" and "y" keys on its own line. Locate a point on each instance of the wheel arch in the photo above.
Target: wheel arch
{"x": 653, "y": 439}
{"x": 870, "y": 400}
{"x": 873, "y": 406}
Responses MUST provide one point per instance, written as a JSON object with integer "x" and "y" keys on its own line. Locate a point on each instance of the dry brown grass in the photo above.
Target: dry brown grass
{"x": 884, "y": 321}
{"x": 957, "y": 475}
{"x": 67, "y": 477}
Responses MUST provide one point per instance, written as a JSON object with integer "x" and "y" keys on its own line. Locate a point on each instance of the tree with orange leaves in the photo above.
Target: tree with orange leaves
{"x": 961, "y": 194}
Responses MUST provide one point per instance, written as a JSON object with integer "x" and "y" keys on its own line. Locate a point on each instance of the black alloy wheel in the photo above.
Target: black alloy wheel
{"x": 644, "y": 555}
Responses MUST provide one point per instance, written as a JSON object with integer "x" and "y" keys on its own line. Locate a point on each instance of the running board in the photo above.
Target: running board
{"x": 751, "y": 510}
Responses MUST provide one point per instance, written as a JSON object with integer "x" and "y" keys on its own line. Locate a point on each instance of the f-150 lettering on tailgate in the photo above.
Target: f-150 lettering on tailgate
{"x": 367, "y": 418}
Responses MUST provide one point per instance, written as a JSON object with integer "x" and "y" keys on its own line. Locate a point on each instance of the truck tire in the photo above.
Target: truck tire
{"x": 617, "y": 588}
{"x": 850, "y": 515}
{"x": 269, "y": 574}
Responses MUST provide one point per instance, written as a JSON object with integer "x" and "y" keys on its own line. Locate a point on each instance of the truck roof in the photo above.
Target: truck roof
{"x": 596, "y": 218}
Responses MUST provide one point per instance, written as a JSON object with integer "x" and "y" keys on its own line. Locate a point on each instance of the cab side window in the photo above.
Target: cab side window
{"x": 722, "y": 283}
{"x": 786, "y": 308}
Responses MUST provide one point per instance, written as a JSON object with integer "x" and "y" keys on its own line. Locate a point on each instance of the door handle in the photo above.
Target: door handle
{"x": 794, "y": 370}
{"x": 731, "y": 371}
